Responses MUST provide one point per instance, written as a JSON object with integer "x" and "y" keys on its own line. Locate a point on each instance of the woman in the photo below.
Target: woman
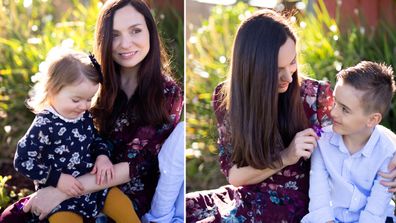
{"x": 138, "y": 106}
{"x": 264, "y": 129}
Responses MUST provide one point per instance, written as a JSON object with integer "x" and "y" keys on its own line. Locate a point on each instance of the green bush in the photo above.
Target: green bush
{"x": 209, "y": 50}
{"x": 9, "y": 194}
{"x": 323, "y": 51}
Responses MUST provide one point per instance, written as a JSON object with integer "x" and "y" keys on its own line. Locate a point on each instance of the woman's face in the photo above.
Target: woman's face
{"x": 287, "y": 64}
{"x": 131, "y": 38}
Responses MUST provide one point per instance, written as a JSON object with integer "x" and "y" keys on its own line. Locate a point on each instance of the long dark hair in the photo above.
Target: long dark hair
{"x": 263, "y": 121}
{"x": 149, "y": 93}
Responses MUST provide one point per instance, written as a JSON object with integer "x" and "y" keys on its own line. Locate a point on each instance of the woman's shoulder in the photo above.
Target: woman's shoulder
{"x": 312, "y": 87}
{"x": 170, "y": 86}
{"x": 218, "y": 94}
{"x": 307, "y": 81}
{"x": 218, "y": 98}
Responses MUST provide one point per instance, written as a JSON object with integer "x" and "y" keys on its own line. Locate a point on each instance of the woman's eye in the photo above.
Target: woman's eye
{"x": 75, "y": 100}
{"x": 134, "y": 31}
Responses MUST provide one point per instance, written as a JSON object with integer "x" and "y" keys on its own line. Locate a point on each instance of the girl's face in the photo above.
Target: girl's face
{"x": 287, "y": 64}
{"x": 74, "y": 99}
{"x": 131, "y": 38}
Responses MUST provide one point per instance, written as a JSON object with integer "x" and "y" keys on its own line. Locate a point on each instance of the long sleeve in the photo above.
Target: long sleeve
{"x": 325, "y": 101}
{"x": 319, "y": 192}
{"x": 29, "y": 157}
{"x": 99, "y": 146}
{"x": 223, "y": 128}
{"x": 167, "y": 204}
{"x": 377, "y": 202}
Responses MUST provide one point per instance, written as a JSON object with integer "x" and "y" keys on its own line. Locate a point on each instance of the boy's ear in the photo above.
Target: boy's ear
{"x": 374, "y": 119}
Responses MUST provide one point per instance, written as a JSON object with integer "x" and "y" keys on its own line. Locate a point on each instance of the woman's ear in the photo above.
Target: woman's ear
{"x": 374, "y": 119}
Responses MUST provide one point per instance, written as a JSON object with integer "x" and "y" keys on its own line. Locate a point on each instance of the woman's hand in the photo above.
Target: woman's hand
{"x": 302, "y": 145}
{"x": 103, "y": 169}
{"x": 43, "y": 201}
{"x": 391, "y": 175}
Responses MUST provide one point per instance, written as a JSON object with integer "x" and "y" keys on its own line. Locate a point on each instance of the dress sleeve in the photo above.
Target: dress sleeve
{"x": 223, "y": 128}
{"x": 30, "y": 158}
{"x": 325, "y": 101}
{"x": 317, "y": 99}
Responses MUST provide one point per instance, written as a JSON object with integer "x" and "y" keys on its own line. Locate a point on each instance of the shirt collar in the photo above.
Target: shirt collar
{"x": 337, "y": 141}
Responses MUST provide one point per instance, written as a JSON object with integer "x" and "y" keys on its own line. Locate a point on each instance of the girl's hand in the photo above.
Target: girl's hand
{"x": 103, "y": 169}
{"x": 70, "y": 185}
{"x": 302, "y": 145}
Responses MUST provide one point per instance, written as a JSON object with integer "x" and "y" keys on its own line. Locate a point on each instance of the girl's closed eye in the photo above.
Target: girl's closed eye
{"x": 75, "y": 100}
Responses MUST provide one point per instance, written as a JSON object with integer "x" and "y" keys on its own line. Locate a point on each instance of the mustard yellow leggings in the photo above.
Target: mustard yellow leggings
{"x": 117, "y": 206}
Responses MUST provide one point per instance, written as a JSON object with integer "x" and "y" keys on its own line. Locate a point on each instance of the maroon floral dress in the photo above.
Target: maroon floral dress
{"x": 139, "y": 145}
{"x": 282, "y": 198}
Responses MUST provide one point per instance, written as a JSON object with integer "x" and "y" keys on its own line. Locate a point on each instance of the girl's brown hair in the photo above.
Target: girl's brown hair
{"x": 149, "y": 93}
{"x": 62, "y": 67}
{"x": 263, "y": 122}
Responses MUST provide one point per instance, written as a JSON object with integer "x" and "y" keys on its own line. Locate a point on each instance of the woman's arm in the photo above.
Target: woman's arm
{"x": 248, "y": 175}
{"x": 46, "y": 199}
{"x": 302, "y": 145}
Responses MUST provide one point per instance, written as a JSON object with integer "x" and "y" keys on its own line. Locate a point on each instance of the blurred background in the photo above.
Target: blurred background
{"x": 28, "y": 30}
{"x": 333, "y": 34}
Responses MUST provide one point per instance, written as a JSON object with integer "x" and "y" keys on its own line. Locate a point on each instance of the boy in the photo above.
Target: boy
{"x": 344, "y": 180}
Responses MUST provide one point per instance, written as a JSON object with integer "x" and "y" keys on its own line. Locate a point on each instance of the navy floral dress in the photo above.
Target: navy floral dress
{"x": 55, "y": 145}
{"x": 139, "y": 144}
{"x": 282, "y": 198}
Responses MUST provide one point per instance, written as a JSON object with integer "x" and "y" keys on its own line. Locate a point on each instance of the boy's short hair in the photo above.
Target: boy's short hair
{"x": 376, "y": 80}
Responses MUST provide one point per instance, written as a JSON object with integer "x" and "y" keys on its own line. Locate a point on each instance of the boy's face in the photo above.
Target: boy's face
{"x": 348, "y": 114}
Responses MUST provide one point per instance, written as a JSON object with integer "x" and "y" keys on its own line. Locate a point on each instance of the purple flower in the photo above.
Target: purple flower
{"x": 318, "y": 130}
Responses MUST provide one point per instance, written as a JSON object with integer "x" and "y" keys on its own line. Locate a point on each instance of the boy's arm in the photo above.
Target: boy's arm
{"x": 319, "y": 194}
{"x": 378, "y": 201}
{"x": 29, "y": 158}
{"x": 165, "y": 206}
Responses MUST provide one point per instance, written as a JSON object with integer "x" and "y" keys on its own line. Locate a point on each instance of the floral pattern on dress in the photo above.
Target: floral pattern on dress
{"x": 281, "y": 198}
{"x": 139, "y": 145}
{"x": 53, "y": 146}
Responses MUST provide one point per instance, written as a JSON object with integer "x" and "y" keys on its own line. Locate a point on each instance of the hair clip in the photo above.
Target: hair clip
{"x": 96, "y": 65}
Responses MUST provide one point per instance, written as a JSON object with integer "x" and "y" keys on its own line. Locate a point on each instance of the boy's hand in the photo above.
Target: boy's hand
{"x": 103, "y": 169}
{"x": 70, "y": 185}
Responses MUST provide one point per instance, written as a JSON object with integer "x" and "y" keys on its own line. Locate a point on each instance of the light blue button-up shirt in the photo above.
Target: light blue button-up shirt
{"x": 345, "y": 187}
{"x": 168, "y": 202}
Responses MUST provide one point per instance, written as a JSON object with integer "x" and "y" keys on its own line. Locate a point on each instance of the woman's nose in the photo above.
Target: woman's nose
{"x": 126, "y": 42}
{"x": 287, "y": 75}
